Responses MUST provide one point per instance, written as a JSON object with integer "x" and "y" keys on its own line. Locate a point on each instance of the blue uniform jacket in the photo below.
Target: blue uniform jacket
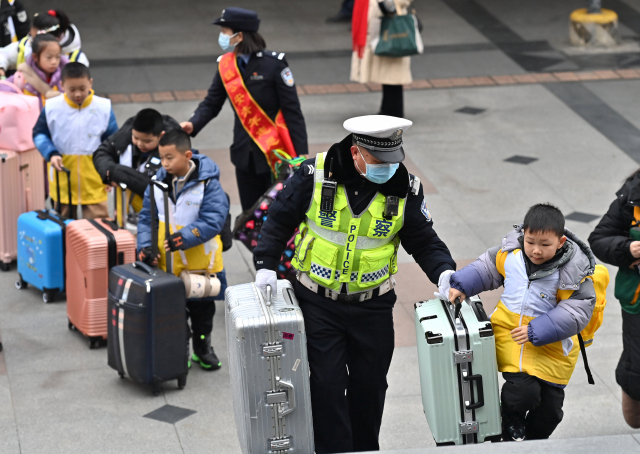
{"x": 269, "y": 81}
{"x": 213, "y": 211}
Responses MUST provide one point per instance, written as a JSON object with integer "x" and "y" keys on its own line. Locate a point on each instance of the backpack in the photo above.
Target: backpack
{"x": 600, "y": 279}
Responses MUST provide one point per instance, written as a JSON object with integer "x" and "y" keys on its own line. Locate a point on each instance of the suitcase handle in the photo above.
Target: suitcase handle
{"x": 268, "y": 301}
{"x": 458, "y": 304}
{"x": 291, "y": 395}
{"x": 480, "y": 401}
{"x": 144, "y": 267}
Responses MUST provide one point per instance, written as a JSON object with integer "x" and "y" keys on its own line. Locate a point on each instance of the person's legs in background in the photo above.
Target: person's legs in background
{"x": 392, "y": 101}
{"x": 251, "y": 187}
{"x": 346, "y": 10}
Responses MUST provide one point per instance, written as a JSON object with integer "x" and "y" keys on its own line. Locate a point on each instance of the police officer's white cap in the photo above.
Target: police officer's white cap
{"x": 380, "y": 135}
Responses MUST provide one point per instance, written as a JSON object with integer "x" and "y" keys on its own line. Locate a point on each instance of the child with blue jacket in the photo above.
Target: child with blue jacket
{"x": 198, "y": 208}
{"x": 548, "y": 299}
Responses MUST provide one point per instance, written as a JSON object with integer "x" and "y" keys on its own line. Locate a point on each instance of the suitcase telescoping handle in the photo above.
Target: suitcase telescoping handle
{"x": 154, "y": 219}
{"x": 59, "y": 210}
{"x": 458, "y": 304}
{"x": 480, "y": 400}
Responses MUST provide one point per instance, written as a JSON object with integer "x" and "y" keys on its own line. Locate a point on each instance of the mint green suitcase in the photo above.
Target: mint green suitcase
{"x": 458, "y": 372}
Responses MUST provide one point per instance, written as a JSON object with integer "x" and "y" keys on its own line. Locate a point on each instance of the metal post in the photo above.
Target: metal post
{"x": 594, "y": 7}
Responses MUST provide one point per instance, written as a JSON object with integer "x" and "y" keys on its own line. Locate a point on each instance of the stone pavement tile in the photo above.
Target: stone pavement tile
{"x": 441, "y": 83}
{"x": 524, "y": 78}
{"x": 162, "y": 96}
{"x": 482, "y": 80}
{"x": 628, "y": 73}
{"x": 315, "y": 89}
{"x": 374, "y": 86}
{"x": 201, "y": 94}
{"x": 49, "y": 348}
{"x": 140, "y": 97}
{"x": 112, "y": 433}
{"x": 566, "y": 76}
{"x": 445, "y": 64}
{"x": 544, "y": 77}
{"x": 606, "y": 74}
{"x": 227, "y": 172}
{"x": 460, "y": 82}
{"x": 427, "y": 187}
{"x": 82, "y": 395}
{"x": 337, "y": 88}
{"x": 300, "y": 90}
{"x": 186, "y": 95}
{"x": 404, "y": 424}
{"x": 584, "y": 445}
{"x": 404, "y": 373}
{"x": 117, "y": 98}
{"x": 9, "y": 442}
{"x": 587, "y": 75}
{"x": 403, "y": 326}
{"x": 356, "y": 88}
{"x": 418, "y": 84}
{"x": 7, "y": 418}
{"x": 579, "y": 404}
{"x": 504, "y": 80}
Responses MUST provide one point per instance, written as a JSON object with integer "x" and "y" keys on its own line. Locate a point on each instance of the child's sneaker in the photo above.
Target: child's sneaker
{"x": 513, "y": 427}
{"x": 203, "y": 353}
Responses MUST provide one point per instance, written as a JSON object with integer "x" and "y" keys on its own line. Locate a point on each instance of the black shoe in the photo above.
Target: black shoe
{"x": 338, "y": 18}
{"x": 203, "y": 353}
{"x": 513, "y": 427}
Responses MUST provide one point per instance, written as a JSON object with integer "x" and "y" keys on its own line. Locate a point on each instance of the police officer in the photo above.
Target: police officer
{"x": 14, "y": 21}
{"x": 265, "y": 80}
{"x": 353, "y": 206}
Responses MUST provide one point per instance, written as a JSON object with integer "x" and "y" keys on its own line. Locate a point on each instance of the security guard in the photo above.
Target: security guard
{"x": 261, "y": 89}
{"x": 353, "y": 206}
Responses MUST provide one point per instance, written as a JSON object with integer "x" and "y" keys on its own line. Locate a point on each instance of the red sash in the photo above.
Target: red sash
{"x": 266, "y": 133}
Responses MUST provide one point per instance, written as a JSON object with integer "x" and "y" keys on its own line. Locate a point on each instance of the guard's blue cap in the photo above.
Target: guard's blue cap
{"x": 239, "y": 19}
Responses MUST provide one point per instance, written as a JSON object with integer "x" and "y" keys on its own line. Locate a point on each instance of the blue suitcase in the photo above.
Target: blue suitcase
{"x": 41, "y": 250}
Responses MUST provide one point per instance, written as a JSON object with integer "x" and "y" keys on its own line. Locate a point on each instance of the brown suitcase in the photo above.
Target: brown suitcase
{"x": 9, "y": 207}
{"x": 94, "y": 246}
{"x": 32, "y": 180}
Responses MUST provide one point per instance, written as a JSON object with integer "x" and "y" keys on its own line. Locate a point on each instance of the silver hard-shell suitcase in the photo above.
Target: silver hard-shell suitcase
{"x": 269, "y": 370}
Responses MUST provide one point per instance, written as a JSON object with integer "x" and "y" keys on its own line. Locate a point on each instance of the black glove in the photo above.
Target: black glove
{"x": 146, "y": 256}
{"x": 175, "y": 241}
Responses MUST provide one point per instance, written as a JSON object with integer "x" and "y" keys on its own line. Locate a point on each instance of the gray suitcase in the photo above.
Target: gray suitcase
{"x": 456, "y": 349}
{"x": 269, "y": 370}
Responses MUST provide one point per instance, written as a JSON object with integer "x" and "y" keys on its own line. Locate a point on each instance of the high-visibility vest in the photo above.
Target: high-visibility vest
{"x": 336, "y": 248}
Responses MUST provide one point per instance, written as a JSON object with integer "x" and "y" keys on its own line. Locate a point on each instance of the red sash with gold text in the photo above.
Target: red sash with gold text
{"x": 266, "y": 133}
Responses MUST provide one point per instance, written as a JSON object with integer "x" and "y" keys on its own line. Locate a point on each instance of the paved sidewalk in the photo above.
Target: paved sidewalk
{"x": 485, "y": 150}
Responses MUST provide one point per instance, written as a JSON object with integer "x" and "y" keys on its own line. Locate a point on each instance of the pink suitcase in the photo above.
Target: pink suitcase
{"x": 31, "y": 170}
{"x": 94, "y": 246}
{"x": 18, "y": 116}
{"x": 9, "y": 207}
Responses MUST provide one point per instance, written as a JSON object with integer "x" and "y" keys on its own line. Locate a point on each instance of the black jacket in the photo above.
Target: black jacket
{"x": 610, "y": 240}
{"x": 107, "y": 157}
{"x": 264, "y": 78}
{"x": 20, "y": 20}
{"x": 417, "y": 235}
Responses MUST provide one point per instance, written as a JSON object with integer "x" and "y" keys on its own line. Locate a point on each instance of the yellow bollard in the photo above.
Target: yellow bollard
{"x": 593, "y": 30}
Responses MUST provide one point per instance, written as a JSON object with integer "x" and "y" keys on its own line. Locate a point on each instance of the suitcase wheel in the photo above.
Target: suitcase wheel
{"x": 5, "y": 266}
{"x": 95, "y": 342}
{"x": 20, "y": 283}
{"x": 49, "y": 296}
{"x": 156, "y": 388}
{"x": 182, "y": 381}
{"x": 70, "y": 325}
{"x": 121, "y": 374}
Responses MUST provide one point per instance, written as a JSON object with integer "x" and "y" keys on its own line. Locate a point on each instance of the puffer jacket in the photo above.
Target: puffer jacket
{"x": 107, "y": 157}
{"x": 555, "y": 302}
{"x": 610, "y": 240}
{"x": 55, "y": 82}
{"x": 200, "y": 209}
